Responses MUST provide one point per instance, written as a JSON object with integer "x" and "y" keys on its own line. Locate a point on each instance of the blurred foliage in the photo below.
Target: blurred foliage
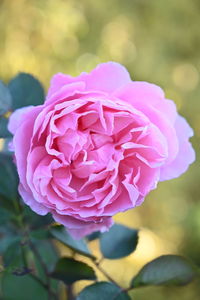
{"x": 158, "y": 41}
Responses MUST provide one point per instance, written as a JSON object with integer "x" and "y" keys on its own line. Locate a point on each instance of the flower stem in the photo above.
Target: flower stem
{"x": 97, "y": 264}
{"x": 123, "y": 291}
{"x": 43, "y": 265}
{"x": 69, "y": 292}
{"x": 47, "y": 285}
{"x": 51, "y": 294}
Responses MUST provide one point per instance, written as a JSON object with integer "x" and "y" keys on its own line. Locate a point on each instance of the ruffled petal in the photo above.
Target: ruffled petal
{"x": 30, "y": 201}
{"x": 186, "y": 154}
{"x": 106, "y": 77}
{"x": 18, "y": 117}
{"x": 148, "y": 94}
{"x": 79, "y": 229}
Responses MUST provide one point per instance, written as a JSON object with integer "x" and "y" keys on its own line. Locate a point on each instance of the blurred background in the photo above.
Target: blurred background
{"x": 158, "y": 41}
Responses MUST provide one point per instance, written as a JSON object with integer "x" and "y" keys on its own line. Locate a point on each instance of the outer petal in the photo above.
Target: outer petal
{"x": 29, "y": 200}
{"x": 140, "y": 91}
{"x": 58, "y": 91}
{"x": 186, "y": 154}
{"x": 18, "y": 117}
{"x": 22, "y": 141}
{"x": 148, "y": 94}
{"x": 149, "y": 99}
{"x": 106, "y": 77}
{"x": 78, "y": 228}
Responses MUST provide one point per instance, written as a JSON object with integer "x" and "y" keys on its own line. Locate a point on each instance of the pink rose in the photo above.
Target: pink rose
{"x": 97, "y": 147}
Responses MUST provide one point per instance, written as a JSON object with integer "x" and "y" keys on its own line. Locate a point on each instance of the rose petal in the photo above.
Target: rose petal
{"x": 79, "y": 229}
{"x": 186, "y": 154}
{"x": 105, "y": 77}
{"x": 18, "y": 117}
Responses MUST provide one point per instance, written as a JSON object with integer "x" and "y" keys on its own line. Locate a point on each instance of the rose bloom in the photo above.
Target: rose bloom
{"x": 97, "y": 146}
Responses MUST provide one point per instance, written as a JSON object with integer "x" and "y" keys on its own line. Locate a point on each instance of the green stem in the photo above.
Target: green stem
{"x": 40, "y": 281}
{"x": 122, "y": 291}
{"x": 22, "y": 226}
{"x": 37, "y": 254}
{"x": 97, "y": 264}
{"x": 69, "y": 292}
{"x": 43, "y": 265}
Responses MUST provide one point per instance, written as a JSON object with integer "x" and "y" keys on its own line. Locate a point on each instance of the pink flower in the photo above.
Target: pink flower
{"x": 97, "y": 147}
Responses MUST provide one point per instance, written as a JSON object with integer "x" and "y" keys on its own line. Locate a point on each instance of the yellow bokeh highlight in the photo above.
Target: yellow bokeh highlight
{"x": 186, "y": 76}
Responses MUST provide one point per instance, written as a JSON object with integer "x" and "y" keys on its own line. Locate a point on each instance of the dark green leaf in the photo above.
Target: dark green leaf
{"x": 40, "y": 234}
{"x": 5, "y": 215}
{"x": 25, "y": 90}
{"x": 60, "y": 233}
{"x": 70, "y": 270}
{"x": 118, "y": 242}
{"x": 165, "y": 270}
{"x": 12, "y": 257}
{"x": 48, "y": 253}
{"x": 5, "y": 99}
{"x": 93, "y": 236}
{"x": 8, "y": 182}
{"x": 20, "y": 273}
{"x": 7, "y": 237}
{"x": 104, "y": 291}
{"x": 4, "y": 133}
{"x": 35, "y": 220}
{"x": 22, "y": 288}
{"x": 6, "y": 202}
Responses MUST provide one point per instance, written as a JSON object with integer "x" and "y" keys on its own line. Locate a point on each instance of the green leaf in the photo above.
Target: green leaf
{"x": 16, "y": 272}
{"x": 36, "y": 221}
{"x": 40, "y": 234}
{"x": 104, "y": 291}
{"x": 4, "y": 133}
{"x": 7, "y": 237}
{"x": 165, "y": 270}
{"x": 12, "y": 257}
{"x": 48, "y": 254}
{"x": 70, "y": 270}
{"x": 5, "y": 215}
{"x": 5, "y": 99}
{"x": 22, "y": 288}
{"x": 118, "y": 242}
{"x": 93, "y": 236}
{"x": 59, "y": 232}
{"x": 8, "y": 182}
{"x": 25, "y": 90}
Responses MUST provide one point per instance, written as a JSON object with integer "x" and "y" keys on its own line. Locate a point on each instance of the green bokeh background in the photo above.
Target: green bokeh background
{"x": 158, "y": 41}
